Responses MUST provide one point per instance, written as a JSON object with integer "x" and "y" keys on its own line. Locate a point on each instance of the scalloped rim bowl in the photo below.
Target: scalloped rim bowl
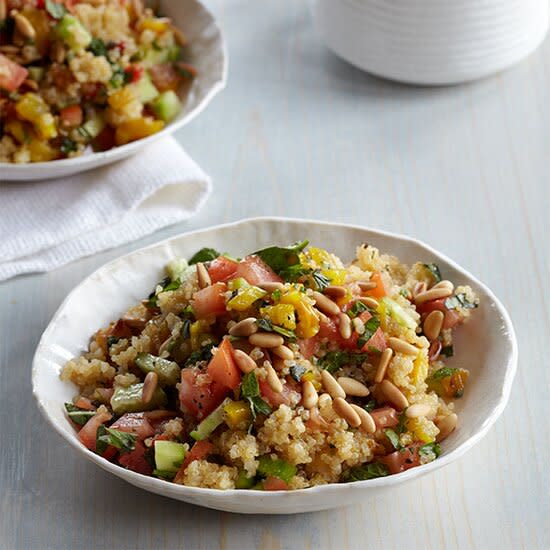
{"x": 208, "y": 54}
{"x": 486, "y": 345}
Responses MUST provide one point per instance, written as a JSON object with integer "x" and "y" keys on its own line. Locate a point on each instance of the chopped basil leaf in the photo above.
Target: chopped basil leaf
{"x": 282, "y": 259}
{"x": 434, "y": 270}
{"x": 297, "y": 371}
{"x": 370, "y": 405}
{"x": 321, "y": 282}
{"x": 368, "y": 471}
{"x": 250, "y": 390}
{"x": 444, "y": 372}
{"x": 259, "y": 406}
{"x": 204, "y": 255}
{"x": 98, "y": 47}
{"x": 447, "y": 351}
{"x": 123, "y": 441}
{"x": 119, "y": 77}
{"x": 68, "y": 146}
{"x": 394, "y": 439}
{"x": 335, "y": 360}
{"x": 371, "y": 326}
{"x": 57, "y": 11}
{"x": 111, "y": 340}
{"x": 401, "y": 425}
{"x": 276, "y": 295}
{"x": 460, "y": 301}
{"x": 163, "y": 286}
{"x": 204, "y": 354}
{"x": 268, "y": 326}
{"x": 430, "y": 451}
{"x": 77, "y": 415}
{"x": 357, "y": 308}
{"x": 165, "y": 474}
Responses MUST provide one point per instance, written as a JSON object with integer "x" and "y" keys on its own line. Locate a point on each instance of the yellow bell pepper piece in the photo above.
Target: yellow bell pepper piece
{"x": 280, "y": 314}
{"x": 17, "y": 129}
{"x": 137, "y": 129}
{"x": 119, "y": 99}
{"x": 32, "y": 107}
{"x": 336, "y": 276}
{"x": 198, "y": 333}
{"x": 423, "y": 429}
{"x": 237, "y": 414}
{"x": 308, "y": 319}
{"x": 310, "y": 377}
{"x": 41, "y": 151}
{"x": 420, "y": 369}
{"x": 153, "y": 24}
{"x": 245, "y": 298}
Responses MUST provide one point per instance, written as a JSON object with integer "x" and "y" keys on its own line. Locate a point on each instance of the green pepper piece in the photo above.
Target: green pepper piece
{"x": 276, "y": 467}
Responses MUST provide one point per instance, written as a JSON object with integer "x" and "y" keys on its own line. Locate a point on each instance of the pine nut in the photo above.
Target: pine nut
{"x": 283, "y": 352}
{"x": 366, "y": 285}
{"x": 417, "y": 410}
{"x": 385, "y": 359}
{"x": 272, "y": 379}
{"x": 344, "y": 410}
{"x": 368, "y": 301}
{"x": 309, "y": 395}
{"x": 270, "y": 286}
{"x": 324, "y": 400}
{"x": 353, "y": 387}
{"x": 335, "y": 291}
{"x": 244, "y": 361}
{"x": 419, "y": 288}
{"x": 401, "y": 346}
{"x": 203, "y": 277}
{"x": 266, "y": 340}
{"x": 445, "y": 284}
{"x": 435, "y": 349}
{"x": 367, "y": 422}
{"x": 138, "y": 8}
{"x": 325, "y": 304}
{"x": 331, "y": 386}
{"x": 246, "y": 327}
{"x": 3, "y": 10}
{"x": 358, "y": 325}
{"x": 30, "y": 84}
{"x": 24, "y": 26}
{"x": 165, "y": 345}
{"x": 432, "y": 294}
{"x": 393, "y": 394}
{"x": 433, "y": 324}
{"x": 446, "y": 425}
{"x": 149, "y": 386}
{"x": 345, "y": 326}
{"x": 181, "y": 39}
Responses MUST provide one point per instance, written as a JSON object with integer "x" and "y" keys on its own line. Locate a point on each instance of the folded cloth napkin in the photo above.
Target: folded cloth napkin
{"x": 46, "y": 224}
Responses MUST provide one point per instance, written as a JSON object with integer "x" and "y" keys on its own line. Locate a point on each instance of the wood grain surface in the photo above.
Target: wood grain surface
{"x": 300, "y": 133}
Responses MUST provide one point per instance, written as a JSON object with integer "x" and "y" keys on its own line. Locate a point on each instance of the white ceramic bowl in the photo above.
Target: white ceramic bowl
{"x": 432, "y": 41}
{"x": 486, "y": 345}
{"x": 207, "y": 53}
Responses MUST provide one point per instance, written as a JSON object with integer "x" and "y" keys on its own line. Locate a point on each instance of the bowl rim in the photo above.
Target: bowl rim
{"x": 120, "y": 152}
{"x": 160, "y": 486}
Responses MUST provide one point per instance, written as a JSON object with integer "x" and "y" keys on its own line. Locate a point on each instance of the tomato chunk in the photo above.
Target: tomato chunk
{"x": 255, "y": 271}
{"x": 276, "y": 399}
{"x": 135, "y": 460}
{"x": 222, "y": 368}
{"x": 12, "y": 74}
{"x": 71, "y": 116}
{"x": 385, "y": 417}
{"x": 199, "y": 399}
{"x": 273, "y": 483}
{"x": 200, "y": 450}
{"x": 209, "y": 300}
{"x": 88, "y": 432}
{"x": 221, "y": 269}
{"x": 136, "y": 423}
{"x": 402, "y": 460}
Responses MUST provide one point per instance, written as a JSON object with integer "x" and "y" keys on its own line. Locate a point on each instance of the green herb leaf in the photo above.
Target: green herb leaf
{"x": 335, "y": 360}
{"x": 111, "y": 340}
{"x": 280, "y": 259}
{"x": 119, "y": 77}
{"x": 459, "y": 301}
{"x": 444, "y": 372}
{"x": 204, "y": 255}
{"x": 204, "y": 354}
{"x": 401, "y": 424}
{"x": 267, "y": 326}
{"x": 356, "y": 309}
{"x": 68, "y": 146}
{"x": 368, "y": 471}
{"x": 164, "y": 474}
{"x": 447, "y": 351}
{"x": 98, "y": 47}
{"x": 371, "y": 326}
{"x": 57, "y": 11}
{"x": 250, "y": 390}
{"x": 163, "y": 286}
{"x": 259, "y": 406}
{"x": 321, "y": 282}
{"x": 276, "y": 467}
{"x": 297, "y": 371}
{"x": 434, "y": 270}
{"x": 370, "y": 405}
{"x": 394, "y": 439}
{"x": 77, "y": 415}
{"x": 123, "y": 441}
{"x": 430, "y": 451}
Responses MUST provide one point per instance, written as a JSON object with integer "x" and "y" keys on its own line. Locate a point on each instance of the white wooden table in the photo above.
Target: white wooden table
{"x": 300, "y": 133}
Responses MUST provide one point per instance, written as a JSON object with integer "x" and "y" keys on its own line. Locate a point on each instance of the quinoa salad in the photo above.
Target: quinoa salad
{"x": 283, "y": 370}
{"x": 79, "y": 76}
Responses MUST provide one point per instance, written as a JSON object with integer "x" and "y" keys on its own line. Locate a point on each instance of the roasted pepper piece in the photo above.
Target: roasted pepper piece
{"x": 137, "y": 129}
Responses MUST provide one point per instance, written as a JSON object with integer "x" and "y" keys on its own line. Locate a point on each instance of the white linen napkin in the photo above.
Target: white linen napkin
{"x": 46, "y": 224}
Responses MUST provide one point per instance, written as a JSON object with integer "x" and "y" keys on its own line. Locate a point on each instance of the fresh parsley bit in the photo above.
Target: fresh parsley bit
{"x": 57, "y": 11}
{"x": 276, "y": 295}
{"x": 111, "y": 340}
{"x": 368, "y": 471}
{"x": 98, "y": 47}
{"x": 284, "y": 261}
{"x": 204, "y": 354}
{"x": 430, "y": 451}
{"x": 434, "y": 270}
{"x": 335, "y": 360}
{"x": 77, "y": 415}
{"x": 444, "y": 372}
{"x": 204, "y": 255}
{"x": 250, "y": 390}
{"x": 404, "y": 292}
{"x": 370, "y": 405}
{"x": 68, "y": 146}
{"x": 394, "y": 439}
{"x": 119, "y": 78}
{"x": 163, "y": 286}
{"x": 267, "y": 326}
{"x": 356, "y": 309}
{"x": 402, "y": 423}
{"x": 371, "y": 326}
{"x": 447, "y": 351}
{"x": 164, "y": 474}
{"x": 460, "y": 301}
{"x": 123, "y": 441}
{"x": 321, "y": 282}
{"x": 297, "y": 371}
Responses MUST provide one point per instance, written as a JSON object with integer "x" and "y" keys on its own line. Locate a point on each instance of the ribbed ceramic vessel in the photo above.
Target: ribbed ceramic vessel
{"x": 432, "y": 42}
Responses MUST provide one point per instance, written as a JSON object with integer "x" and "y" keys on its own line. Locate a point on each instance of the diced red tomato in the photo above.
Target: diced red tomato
{"x": 105, "y": 140}
{"x": 84, "y": 403}
{"x": 12, "y": 74}
{"x": 135, "y": 460}
{"x": 402, "y": 460}
{"x": 222, "y": 368}
{"x": 255, "y": 271}
{"x": 377, "y": 341}
{"x": 200, "y": 450}
{"x": 328, "y": 329}
{"x": 433, "y": 305}
{"x": 316, "y": 422}
{"x": 309, "y": 346}
{"x": 273, "y": 483}
{"x": 88, "y": 432}
{"x": 199, "y": 399}
{"x": 71, "y": 116}
{"x": 385, "y": 417}
{"x": 209, "y": 300}
{"x": 276, "y": 399}
{"x": 221, "y": 269}
{"x": 133, "y": 72}
{"x": 452, "y": 318}
{"x": 136, "y": 423}
{"x": 165, "y": 77}
{"x": 379, "y": 291}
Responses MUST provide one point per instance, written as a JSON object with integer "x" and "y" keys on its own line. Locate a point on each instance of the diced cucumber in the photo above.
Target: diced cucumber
{"x": 276, "y": 467}
{"x": 167, "y": 105}
{"x": 152, "y": 56}
{"x": 145, "y": 90}
{"x": 177, "y": 269}
{"x": 210, "y": 423}
{"x": 243, "y": 481}
{"x": 167, "y": 371}
{"x": 93, "y": 127}
{"x": 36, "y": 73}
{"x": 169, "y": 455}
{"x": 387, "y": 305}
{"x": 73, "y": 33}
{"x": 125, "y": 400}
